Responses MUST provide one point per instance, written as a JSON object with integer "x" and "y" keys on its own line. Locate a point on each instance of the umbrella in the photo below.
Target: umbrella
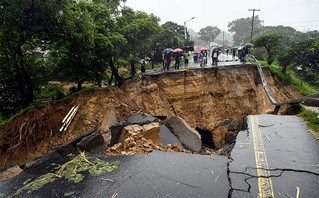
{"x": 142, "y": 60}
{"x": 249, "y": 45}
{"x": 167, "y": 50}
{"x": 178, "y": 50}
{"x": 203, "y": 49}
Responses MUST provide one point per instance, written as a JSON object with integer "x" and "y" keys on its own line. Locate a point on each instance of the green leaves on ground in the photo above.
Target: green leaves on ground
{"x": 71, "y": 171}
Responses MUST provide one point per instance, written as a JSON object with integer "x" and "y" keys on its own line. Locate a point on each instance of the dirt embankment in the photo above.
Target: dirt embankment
{"x": 202, "y": 97}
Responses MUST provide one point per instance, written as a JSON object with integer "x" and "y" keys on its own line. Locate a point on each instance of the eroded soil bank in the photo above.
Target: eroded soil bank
{"x": 202, "y": 97}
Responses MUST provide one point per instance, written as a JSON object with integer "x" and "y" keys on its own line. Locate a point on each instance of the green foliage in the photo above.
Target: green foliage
{"x": 241, "y": 28}
{"x": 69, "y": 193}
{"x": 303, "y": 59}
{"x": 71, "y": 171}
{"x": 280, "y": 29}
{"x": 174, "y": 27}
{"x": 27, "y": 24}
{"x": 72, "y": 90}
{"x": 312, "y": 120}
{"x": 49, "y": 91}
{"x": 163, "y": 40}
{"x": 290, "y": 78}
{"x": 271, "y": 42}
{"x": 209, "y": 34}
{"x": 2, "y": 195}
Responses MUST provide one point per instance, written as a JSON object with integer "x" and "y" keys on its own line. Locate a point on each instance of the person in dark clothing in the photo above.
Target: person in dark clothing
{"x": 242, "y": 55}
{"x": 168, "y": 61}
{"x": 143, "y": 67}
{"x": 234, "y": 54}
{"x": 133, "y": 68}
{"x": 215, "y": 55}
{"x": 177, "y": 60}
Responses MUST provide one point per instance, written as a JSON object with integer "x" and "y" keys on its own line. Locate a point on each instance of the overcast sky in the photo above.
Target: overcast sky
{"x": 302, "y": 15}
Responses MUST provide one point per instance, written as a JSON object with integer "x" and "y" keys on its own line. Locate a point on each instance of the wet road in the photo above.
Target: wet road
{"x": 276, "y": 157}
{"x": 224, "y": 60}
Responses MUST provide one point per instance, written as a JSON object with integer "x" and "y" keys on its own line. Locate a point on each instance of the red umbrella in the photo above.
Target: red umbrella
{"x": 178, "y": 50}
{"x": 203, "y": 49}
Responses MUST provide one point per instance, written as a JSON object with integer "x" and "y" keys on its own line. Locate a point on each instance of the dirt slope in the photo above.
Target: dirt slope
{"x": 202, "y": 97}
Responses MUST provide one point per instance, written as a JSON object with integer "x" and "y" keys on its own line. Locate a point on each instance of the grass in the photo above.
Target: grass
{"x": 290, "y": 79}
{"x": 312, "y": 120}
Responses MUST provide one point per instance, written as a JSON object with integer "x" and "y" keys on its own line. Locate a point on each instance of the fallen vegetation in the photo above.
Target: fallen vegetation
{"x": 70, "y": 171}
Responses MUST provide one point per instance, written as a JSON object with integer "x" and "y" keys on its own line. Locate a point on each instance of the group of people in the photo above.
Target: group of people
{"x": 167, "y": 59}
{"x": 202, "y": 56}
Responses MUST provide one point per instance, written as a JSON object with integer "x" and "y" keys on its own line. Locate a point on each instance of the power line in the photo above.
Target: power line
{"x": 292, "y": 5}
{"x": 295, "y": 22}
{"x": 280, "y": 4}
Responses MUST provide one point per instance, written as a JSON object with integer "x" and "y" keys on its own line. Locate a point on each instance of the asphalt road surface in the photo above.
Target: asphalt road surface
{"x": 275, "y": 157}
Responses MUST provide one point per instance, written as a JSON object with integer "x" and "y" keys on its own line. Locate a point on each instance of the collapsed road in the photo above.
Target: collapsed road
{"x": 275, "y": 157}
{"x": 266, "y": 160}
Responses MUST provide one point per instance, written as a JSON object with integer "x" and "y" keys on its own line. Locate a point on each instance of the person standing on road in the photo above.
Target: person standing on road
{"x": 143, "y": 67}
{"x": 234, "y": 54}
{"x": 133, "y": 68}
{"x": 186, "y": 58}
{"x": 168, "y": 61}
{"x": 177, "y": 60}
{"x": 215, "y": 55}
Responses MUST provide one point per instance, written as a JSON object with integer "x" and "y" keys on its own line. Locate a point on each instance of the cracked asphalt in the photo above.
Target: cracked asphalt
{"x": 291, "y": 153}
{"x": 292, "y": 156}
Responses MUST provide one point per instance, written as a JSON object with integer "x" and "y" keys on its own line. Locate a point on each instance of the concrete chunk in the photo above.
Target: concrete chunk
{"x": 188, "y": 136}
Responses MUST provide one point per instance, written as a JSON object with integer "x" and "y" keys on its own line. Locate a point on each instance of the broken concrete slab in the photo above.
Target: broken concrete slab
{"x": 188, "y": 136}
{"x": 168, "y": 137}
{"x": 110, "y": 119}
{"x": 152, "y": 132}
{"x": 140, "y": 117}
{"x": 10, "y": 172}
{"x": 92, "y": 141}
{"x": 117, "y": 130}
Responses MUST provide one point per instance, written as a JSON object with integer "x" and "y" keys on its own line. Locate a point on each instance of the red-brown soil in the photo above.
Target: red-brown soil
{"x": 203, "y": 98}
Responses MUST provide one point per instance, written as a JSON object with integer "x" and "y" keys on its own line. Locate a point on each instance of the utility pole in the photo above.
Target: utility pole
{"x": 185, "y": 29}
{"x": 252, "y": 22}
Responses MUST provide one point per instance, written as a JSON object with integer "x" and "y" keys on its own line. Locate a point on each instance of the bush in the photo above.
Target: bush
{"x": 59, "y": 94}
{"x": 50, "y": 91}
{"x": 72, "y": 90}
{"x": 312, "y": 120}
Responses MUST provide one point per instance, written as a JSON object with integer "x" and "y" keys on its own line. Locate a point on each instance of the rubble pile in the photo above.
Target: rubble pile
{"x": 136, "y": 139}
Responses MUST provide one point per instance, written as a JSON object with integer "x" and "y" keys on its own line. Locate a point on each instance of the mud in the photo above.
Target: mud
{"x": 202, "y": 97}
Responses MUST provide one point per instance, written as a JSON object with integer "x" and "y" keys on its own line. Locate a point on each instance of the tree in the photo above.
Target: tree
{"x": 209, "y": 34}
{"x": 242, "y": 29}
{"x": 72, "y": 52}
{"x": 271, "y": 42}
{"x": 163, "y": 40}
{"x": 303, "y": 57}
{"x": 174, "y": 27}
{"x": 24, "y": 22}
